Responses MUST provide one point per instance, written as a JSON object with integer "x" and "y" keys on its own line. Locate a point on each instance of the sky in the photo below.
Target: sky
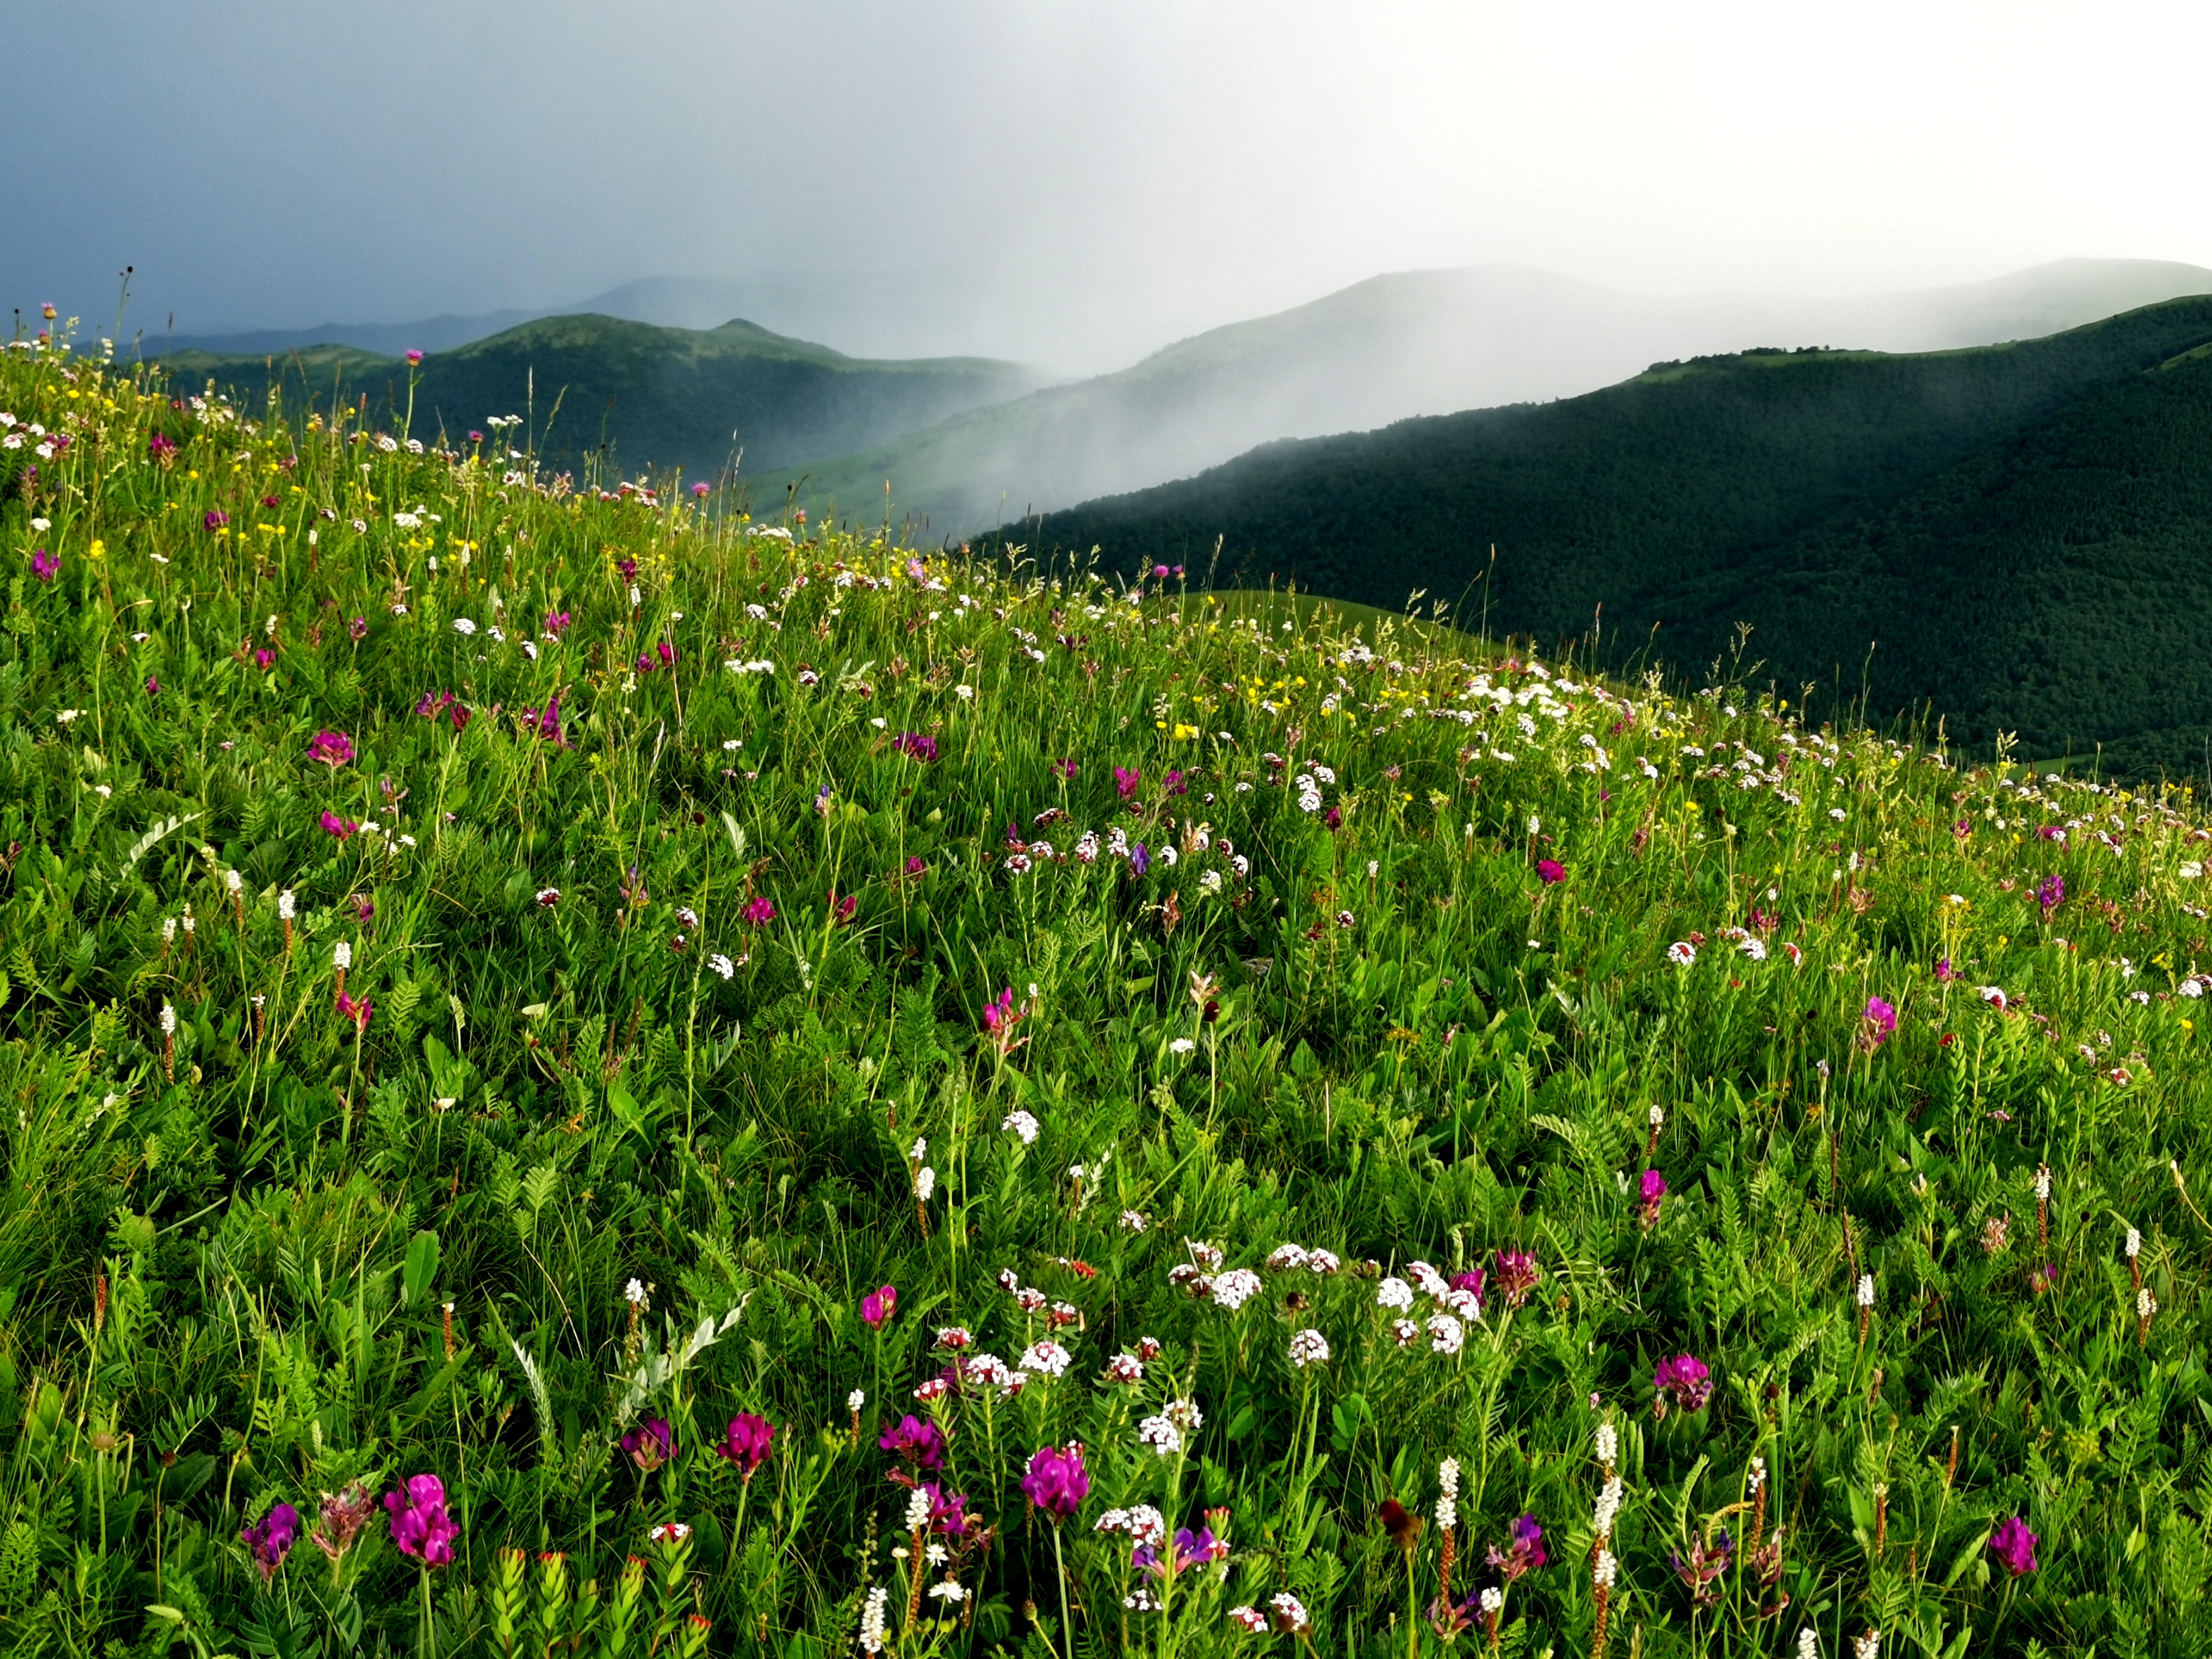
{"x": 1094, "y": 178}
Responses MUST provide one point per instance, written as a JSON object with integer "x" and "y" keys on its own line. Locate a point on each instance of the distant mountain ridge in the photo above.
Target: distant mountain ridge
{"x": 2020, "y": 533}
{"x": 662, "y": 397}
{"x": 1412, "y": 343}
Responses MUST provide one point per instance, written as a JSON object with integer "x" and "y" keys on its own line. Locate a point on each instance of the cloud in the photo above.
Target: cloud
{"x": 1105, "y": 178}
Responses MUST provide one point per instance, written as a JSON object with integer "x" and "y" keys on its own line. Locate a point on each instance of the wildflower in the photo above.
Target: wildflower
{"x": 1057, "y": 1482}
{"x": 1550, "y": 870}
{"x": 1524, "y": 1554}
{"x": 1233, "y": 1288}
{"x": 878, "y": 1305}
{"x": 213, "y": 518}
{"x": 1250, "y": 1618}
{"x": 1652, "y": 1189}
{"x": 759, "y": 913}
{"x": 358, "y": 1011}
{"x": 2014, "y": 1544}
{"x": 1446, "y": 1334}
{"x": 1681, "y": 953}
{"x": 1308, "y": 1347}
{"x": 420, "y": 1525}
{"x": 269, "y": 1540}
{"x": 914, "y": 743}
{"x": 44, "y": 565}
{"x": 1878, "y": 1023}
{"x": 330, "y": 749}
{"x": 874, "y": 1630}
{"x": 1994, "y": 996}
{"x": 1161, "y": 1435}
{"x": 1394, "y": 1292}
{"x": 636, "y": 1294}
{"x": 1686, "y": 1380}
{"x": 1608, "y": 1441}
{"x": 1182, "y": 1045}
{"x": 2050, "y": 893}
{"x": 1289, "y": 1613}
{"x": 650, "y": 1444}
{"x": 1046, "y": 1359}
{"x": 746, "y": 1443}
{"x": 344, "y": 829}
{"x": 1126, "y": 782}
{"x": 916, "y": 1440}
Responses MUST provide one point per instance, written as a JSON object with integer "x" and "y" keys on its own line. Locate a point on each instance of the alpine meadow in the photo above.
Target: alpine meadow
{"x": 590, "y": 1073}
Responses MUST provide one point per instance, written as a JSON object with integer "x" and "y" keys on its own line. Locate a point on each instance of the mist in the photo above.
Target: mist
{"x": 1069, "y": 184}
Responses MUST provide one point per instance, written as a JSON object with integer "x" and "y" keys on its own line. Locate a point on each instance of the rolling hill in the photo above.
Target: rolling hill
{"x": 662, "y": 397}
{"x": 1413, "y": 343}
{"x": 2017, "y": 532}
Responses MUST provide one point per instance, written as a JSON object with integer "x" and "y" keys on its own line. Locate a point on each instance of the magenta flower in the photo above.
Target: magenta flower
{"x": 44, "y": 565}
{"x": 264, "y": 659}
{"x": 1057, "y": 1482}
{"x": 1687, "y": 1380}
{"x": 420, "y": 1525}
{"x": 330, "y": 749}
{"x": 667, "y": 653}
{"x": 1652, "y": 1193}
{"x": 2050, "y": 894}
{"x": 1126, "y": 782}
{"x": 1333, "y": 819}
{"x": 546, "y": 722}
{"x": 1944, "y": 973}
{"x": 414, "y": 356}
{"x": 1551, "y": 870}
{"x": 214, "y": 519}
{"x": 359, "y": 1013}
{"x": 357, "y": 630}
{"x": 1881, "y": 1019}
{"x": 746, "y": 1443}
{"x": 914, "y": 743}
{"x": 159, "y": 448}
{"x": 475, "y": 436}
{"x": 650, "y": 1444}
{"x": 1190, "y": 1550}
{"x": 1177, "y": 784}
{"x": 153, "y": 686}
{"x": 2015, "y": 1546}
{"x": 1159, "y": 573}
{"x": 269, "y": 1540}
{"x": 914, "y": 866}
{"x": 948, "y": 1516}
{"x": 878, "y": 1305}
{"x": 344, "y": 829}
{"x": 1472, "y": 1279}
{"x": 699, "y": 491}
{"x": 556, "y": 622}
{"x": 1064, "y": 769}
{"x": 759, "y": 913}
{"x": 915, "y": 1439}
{"x": 1517, "y": 1276}
{"x": 1524, "y": 1554}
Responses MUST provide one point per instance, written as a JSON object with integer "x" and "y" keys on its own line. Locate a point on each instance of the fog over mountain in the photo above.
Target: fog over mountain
{"x": 1417, "y": 343}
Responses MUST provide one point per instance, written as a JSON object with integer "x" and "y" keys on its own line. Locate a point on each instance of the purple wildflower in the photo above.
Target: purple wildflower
{"x": 914, "y": 743}
{"x": 44, "y": 565}
{"x": 2015, "y": 1546}
{"x": 330, "y": 749}
{"x": 1139, "y": 859}
{"x": 214, "y": 519}
{"x": 650, "y": 1444}
{"x": 915, "y": 1439}
{"x": 878, "y": 1305}
{"x": 270, "y": 1539}
{"x": 759, "y": 913}
{"x": 1524, "y": 1554}
{"x": 1057, "y": 1482}
{"x": 1126, "y": 782}
{"x": 1652, "y": 1193}
{"x": 1551, "y": 870}
{"x": 2050, "y": 893}
{"x": 1685, "y": 1379}
{"x": 420, "y": 1525}
{"x": 1517, "y": 1275}
{"x": 344, "y": 829}
{"x": 1880, "y": 1019}
{"x": 746, "y": 1443}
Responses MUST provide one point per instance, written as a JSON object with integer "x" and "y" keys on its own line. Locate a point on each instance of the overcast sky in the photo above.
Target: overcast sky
{"x": 1135, "y": 169}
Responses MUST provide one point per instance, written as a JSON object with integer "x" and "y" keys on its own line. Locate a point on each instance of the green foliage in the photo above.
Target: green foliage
{"x": 2010, "y": 535}
{"x": 477, "y": 1042}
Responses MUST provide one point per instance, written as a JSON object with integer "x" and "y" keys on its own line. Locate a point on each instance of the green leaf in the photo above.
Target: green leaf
{"x": 421, "y": 1269}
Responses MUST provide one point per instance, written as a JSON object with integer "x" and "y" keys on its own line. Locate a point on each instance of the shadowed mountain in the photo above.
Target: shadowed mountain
{"x": 2019, "y": 531}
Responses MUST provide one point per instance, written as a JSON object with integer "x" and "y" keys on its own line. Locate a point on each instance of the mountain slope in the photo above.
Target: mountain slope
{"x": 1829, "y": 499}
{"x": 1410, "y": 344}
{"x": 663, "y": 397}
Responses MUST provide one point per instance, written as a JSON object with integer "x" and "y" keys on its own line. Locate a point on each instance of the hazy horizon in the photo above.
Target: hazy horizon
{"x": 1068, "y": 187}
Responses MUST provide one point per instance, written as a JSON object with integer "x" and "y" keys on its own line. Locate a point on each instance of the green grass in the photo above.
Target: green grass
{"x": 334, "y": 1233}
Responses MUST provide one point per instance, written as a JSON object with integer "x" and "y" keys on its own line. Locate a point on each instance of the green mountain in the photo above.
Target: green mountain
{"x": 1414, "y": 342}
{"x": 2018, "y": 532}
{"x": 662, "y": 397}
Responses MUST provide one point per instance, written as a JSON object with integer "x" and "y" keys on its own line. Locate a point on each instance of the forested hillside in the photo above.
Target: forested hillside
{"x": 1984, "y": 515}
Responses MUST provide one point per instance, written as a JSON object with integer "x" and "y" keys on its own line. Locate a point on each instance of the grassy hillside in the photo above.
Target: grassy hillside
{"x": 853, "y": 1101}
{"x": 1679, "y": 500}
{"x": 664, "y": 398}
{"x": 1412, "y": 343}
